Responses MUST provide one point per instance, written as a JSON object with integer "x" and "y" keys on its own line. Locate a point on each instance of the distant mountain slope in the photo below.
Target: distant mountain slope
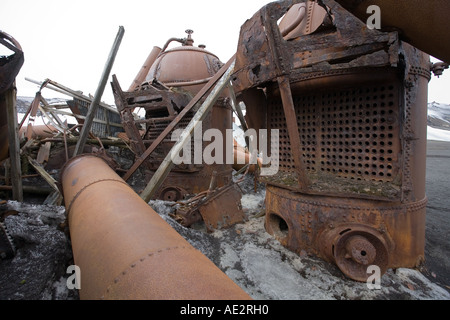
{"x": 439, "y": 115}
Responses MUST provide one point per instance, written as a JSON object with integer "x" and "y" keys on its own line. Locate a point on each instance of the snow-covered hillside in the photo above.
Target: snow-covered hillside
{"x": 438, "y": 121}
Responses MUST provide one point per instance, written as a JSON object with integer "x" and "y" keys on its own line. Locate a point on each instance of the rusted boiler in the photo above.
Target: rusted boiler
{"x": 168, "y": 80}
{"x": 350, "y": 104}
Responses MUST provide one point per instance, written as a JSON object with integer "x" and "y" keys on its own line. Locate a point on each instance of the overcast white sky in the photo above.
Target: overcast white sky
{"x": 69, "y": 41}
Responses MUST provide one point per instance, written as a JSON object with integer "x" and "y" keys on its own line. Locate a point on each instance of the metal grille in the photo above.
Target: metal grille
{"x": 349, "y": 133}
{"x": 157, "y": 126}
{"x": 106, "y": 123}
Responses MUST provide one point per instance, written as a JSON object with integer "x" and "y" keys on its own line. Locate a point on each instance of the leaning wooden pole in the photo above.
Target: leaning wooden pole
{"x": 14, "y": 144}
{"x": 165, "y": 167}
{"x": 98, "y": 94}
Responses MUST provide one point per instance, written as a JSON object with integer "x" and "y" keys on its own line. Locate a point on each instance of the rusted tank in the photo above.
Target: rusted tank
{"x": 187, "y": 66}
{"x": 125, "y": 250}
{"x": 174, "y": 79}
{"x": 350, "y": 104}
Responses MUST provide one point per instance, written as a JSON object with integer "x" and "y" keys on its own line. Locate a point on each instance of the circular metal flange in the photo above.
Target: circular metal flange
{"x": 357, "y": 249}
{"x": 172, "y": 194}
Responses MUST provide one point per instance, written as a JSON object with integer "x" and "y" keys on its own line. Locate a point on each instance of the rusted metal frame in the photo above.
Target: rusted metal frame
{"x": 164, "y": 169}
{"x": 226, "y": 215}
{"x": 175, "y": 121}
{"x": 424, "y": 32}
{"x": 9, "y": 71}
{"x": 281, "y": 62}
{"x": 55, "y": 86}
{"x": 154, "y": 98}
{"x": 359, "y": 41}
{"x": 99, "y": 92}
{"x": 126, "y": 115}
{"x": 144, "y": 98}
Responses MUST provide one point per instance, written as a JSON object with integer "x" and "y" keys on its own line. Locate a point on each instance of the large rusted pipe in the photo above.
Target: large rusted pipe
{"x": 125, "y": 250}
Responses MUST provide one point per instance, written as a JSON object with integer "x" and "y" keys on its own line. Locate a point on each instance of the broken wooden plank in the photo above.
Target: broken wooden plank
{"x": 44, "y": 174}
{"x": 43, "y": 153}
{"x": 14, "y": 144}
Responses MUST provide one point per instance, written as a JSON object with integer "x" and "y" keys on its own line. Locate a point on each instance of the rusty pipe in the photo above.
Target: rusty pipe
{"x": 242, "y": 157}
{"x": 125, "y": 250}
{"x": 140, "y": 77}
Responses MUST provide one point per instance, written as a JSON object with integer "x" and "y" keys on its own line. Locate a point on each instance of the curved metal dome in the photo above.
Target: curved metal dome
{"x": 185, "y": 66}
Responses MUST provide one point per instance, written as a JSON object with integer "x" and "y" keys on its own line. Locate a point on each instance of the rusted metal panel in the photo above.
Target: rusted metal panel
{"x": 218, "y": 208}
{"x": 263, "y": 54}
{"x": 359, "y": 100}
{"x": 325, "y": 226}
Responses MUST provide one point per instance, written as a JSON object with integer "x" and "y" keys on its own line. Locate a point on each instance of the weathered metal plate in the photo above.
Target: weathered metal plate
{"x": 223, "y": 209}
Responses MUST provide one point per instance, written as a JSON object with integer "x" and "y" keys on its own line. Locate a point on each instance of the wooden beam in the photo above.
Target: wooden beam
{"x": 99, "y": 92}
{"x": 14, "y": 144}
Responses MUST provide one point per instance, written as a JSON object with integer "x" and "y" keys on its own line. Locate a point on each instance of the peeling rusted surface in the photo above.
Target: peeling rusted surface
{"x": 424, "y": 24}
{"x": 350, "y": 105}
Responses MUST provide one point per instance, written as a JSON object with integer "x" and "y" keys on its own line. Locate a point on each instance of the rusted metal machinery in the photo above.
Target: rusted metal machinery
{"x": 124, "y": 249}
{"x": 350, "y": 104}
{"x": 176, "y": 75}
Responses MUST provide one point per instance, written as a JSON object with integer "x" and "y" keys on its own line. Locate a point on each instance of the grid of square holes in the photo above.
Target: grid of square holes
{"x": 351, "y": 133}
